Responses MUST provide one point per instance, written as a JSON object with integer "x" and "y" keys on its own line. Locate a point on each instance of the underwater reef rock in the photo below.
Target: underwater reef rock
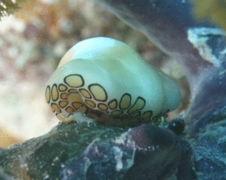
{"x": 4, "y": 176}
{"x": 43, "y": 157}
{"x": 200, "y": 48}
{"x": 94, "y": 151}
{"x": 209, "y": 151}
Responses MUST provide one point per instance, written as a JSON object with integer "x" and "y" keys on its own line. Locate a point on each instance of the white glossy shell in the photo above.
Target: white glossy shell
{"x": 107, "y": 80}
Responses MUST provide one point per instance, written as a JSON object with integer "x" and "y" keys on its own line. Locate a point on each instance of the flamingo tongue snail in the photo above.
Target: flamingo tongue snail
{"x": 107, "y": 81}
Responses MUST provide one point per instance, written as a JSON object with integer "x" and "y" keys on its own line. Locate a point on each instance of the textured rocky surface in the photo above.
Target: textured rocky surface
{"x": 210, "y": 149}
{"x": 91, "y": 151}
{"x": 199, "y": 47}
{"x": 76, "y": 151}
{"x": 43, "y": 157}
{"x": 31, "y": 53}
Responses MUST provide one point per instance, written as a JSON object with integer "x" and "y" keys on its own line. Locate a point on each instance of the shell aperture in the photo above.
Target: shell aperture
{"x": 106, "y": 80}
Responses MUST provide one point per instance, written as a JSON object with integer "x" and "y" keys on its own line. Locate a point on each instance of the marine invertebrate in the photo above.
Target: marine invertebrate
{"x": 106, "y": 80}
{"x": 199, "y": 47}
{"x": 185, "y": 39}
{"x": 167, "y": 155}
